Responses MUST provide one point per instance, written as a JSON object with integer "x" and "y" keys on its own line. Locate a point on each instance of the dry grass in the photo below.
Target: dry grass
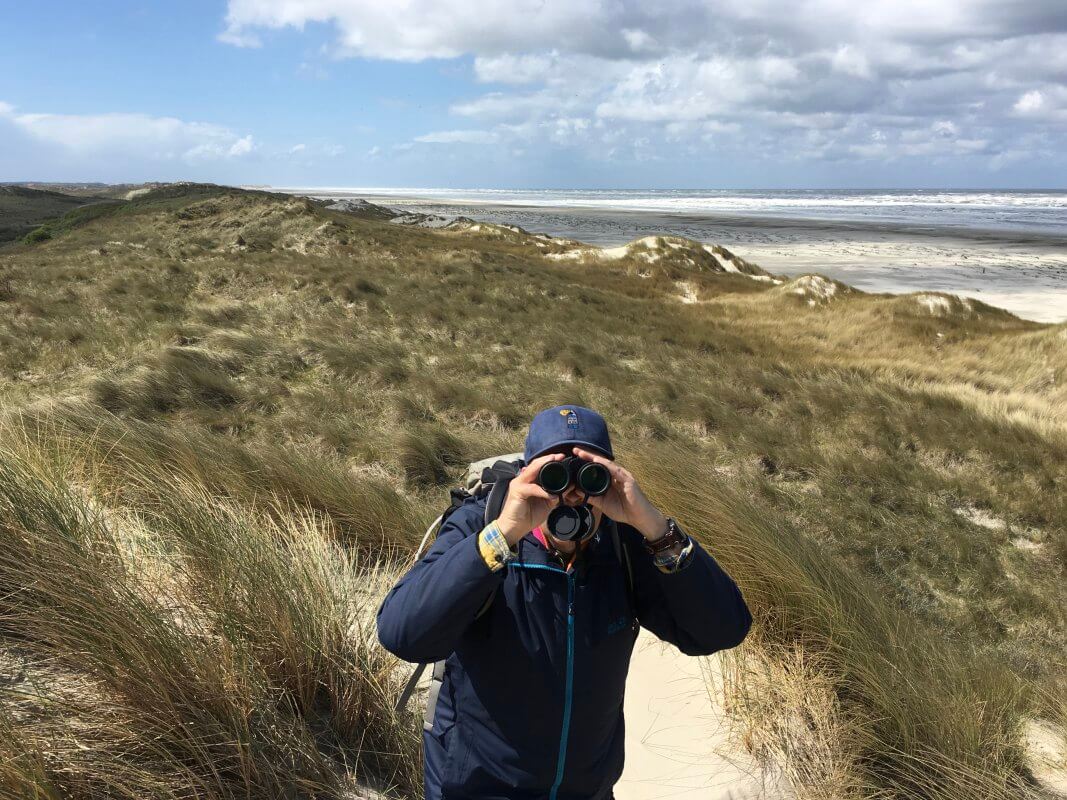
{"x": 222, "y": 651}
{"x": 185, "y": 416}
{"x": 904, "y": 701}
{"x": 786, "y": 712}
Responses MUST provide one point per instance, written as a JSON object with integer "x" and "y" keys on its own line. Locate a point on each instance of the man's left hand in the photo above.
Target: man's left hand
{"x": 624, "y": 501}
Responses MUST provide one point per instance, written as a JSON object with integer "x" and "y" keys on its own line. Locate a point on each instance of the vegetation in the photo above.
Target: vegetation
{"x": 22, "y": 210}
{"x": 227, "y": 415}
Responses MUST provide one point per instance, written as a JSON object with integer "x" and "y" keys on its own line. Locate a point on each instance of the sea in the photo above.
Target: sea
{"x": 1039, "y": 212}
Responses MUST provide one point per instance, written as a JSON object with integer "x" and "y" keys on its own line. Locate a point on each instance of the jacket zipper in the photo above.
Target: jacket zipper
{"x": 569, "y": 692}
{"x": 568, "y": 695}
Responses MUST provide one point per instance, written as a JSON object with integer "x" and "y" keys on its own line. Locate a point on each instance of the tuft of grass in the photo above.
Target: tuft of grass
{"x": 236, "y": 650}
{"x": 430, "y": 456}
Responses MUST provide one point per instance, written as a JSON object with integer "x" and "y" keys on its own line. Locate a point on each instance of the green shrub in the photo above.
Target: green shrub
{"x": 41, "y": 234}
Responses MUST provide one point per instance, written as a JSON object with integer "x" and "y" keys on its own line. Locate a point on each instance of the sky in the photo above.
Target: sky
{"x": 593, "y": 94}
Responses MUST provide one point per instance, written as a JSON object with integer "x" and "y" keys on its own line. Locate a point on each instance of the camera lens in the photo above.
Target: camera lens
{"x": 554, "y": 477}
{"x": 594, "y": 479}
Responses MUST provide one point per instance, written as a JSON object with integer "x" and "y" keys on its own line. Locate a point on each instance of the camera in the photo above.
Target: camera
{"x": 573, "y": 522}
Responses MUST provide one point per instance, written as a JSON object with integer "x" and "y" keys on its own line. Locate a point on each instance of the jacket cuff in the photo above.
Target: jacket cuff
{"x": 684, "y": 559}
{"x": 494, "y": 548}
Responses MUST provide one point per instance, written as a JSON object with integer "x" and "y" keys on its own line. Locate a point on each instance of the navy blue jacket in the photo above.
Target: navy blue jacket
{"x": 531, "y": 705}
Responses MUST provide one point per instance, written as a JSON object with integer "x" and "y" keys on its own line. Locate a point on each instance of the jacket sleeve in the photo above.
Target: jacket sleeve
{"x": 423, "y": 616}
{"x": 698, "y": 609}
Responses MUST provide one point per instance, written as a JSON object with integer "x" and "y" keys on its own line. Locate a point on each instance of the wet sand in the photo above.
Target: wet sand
{"x": 1023, "y": 272}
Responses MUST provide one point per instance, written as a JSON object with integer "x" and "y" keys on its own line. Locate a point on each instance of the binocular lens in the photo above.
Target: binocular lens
{"x": 555, "y": 477}
{"x": 571, "y": 522}
{"x": 594, "y": 479}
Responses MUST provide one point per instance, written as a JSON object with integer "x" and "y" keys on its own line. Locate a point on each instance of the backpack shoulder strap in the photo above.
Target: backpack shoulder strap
{"x": 498, "y": 478}
{"x": 458, "y": 498}
{"x": 437, "y": 680}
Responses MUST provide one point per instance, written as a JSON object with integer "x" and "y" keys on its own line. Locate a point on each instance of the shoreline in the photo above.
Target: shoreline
{"x": 769, "y": 222}
{"x": 1025, "y": 274}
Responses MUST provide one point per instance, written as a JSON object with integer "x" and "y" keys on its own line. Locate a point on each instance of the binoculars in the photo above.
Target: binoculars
{"x": 591, "y": 478}
{"x": 573, "y": 522}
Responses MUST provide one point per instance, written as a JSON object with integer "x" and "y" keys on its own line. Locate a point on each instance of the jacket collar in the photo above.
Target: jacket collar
{"x": 596, "y": 550}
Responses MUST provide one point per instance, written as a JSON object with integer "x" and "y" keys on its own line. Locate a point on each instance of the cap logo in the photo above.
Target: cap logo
{"x": 572, "y": 418}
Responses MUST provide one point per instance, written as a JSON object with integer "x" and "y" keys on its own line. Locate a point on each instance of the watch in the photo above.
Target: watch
{"x": 673, "y": 536}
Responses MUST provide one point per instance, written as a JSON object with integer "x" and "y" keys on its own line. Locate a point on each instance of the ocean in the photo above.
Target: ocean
{"x": 1008, "y": 249}
{"x": 1024, "y": 212}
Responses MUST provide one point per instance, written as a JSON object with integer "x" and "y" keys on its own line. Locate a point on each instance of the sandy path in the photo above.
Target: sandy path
{"x": 677, "y": 744}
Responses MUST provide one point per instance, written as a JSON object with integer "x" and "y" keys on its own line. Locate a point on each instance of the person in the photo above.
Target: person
{"x": 536, "y": 633}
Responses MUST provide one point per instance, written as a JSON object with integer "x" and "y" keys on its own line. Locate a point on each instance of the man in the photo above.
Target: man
{"x": 532, "y": 696}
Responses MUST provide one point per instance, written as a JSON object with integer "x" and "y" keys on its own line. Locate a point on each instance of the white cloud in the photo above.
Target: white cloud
{"x": 946, "y": 129}
{"x": 509, "y": 68}
{"x": 242, "y": 146}
{"x": 497, "y": 105}
{"x": 133, "y": 135}
{"x": 421, "y": 29}
{"x": 6, "y": 108}
{"x": 1029, "y": 103}
{"x": 850, "y": 60}
{"x": 297, "y": 148}
{"x": 459, "y": 137}
{"x": 239, "y": 38}
{"x": 1047, "y": 105}
{"x": 934, "y": 78}
{"x": 638, "y": 40}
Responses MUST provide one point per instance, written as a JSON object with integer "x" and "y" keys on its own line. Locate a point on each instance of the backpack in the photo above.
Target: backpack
{"x": 487, "y": 478}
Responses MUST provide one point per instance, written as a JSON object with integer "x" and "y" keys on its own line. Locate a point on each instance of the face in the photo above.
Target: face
{"x": 572, "y": 497}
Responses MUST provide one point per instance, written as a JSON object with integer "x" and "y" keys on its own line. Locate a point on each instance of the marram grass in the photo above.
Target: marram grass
{"x": 227, "y": 417}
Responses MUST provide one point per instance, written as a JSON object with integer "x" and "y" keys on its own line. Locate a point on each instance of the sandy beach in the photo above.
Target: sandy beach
{"x": 1021, "y": 271}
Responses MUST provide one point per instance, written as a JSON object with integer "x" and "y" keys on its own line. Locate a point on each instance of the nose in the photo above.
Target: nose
{"x": 573, "y": 496}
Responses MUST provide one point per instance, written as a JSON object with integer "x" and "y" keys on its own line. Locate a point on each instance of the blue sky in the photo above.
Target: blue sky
{"x": 538, "y": 93}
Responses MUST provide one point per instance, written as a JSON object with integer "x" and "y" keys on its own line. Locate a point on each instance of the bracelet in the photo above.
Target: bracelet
{"x": 667, "y": 562}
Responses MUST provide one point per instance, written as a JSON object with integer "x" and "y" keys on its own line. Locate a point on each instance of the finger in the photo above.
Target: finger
{"x": 529, "y": 490}
{"x": 612, "y": 467}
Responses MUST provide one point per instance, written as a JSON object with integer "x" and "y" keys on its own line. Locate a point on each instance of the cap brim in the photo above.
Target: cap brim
{"x": 580, "y": 442}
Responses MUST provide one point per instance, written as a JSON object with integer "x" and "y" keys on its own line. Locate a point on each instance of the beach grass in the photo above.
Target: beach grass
{"x": 227, "y": 416}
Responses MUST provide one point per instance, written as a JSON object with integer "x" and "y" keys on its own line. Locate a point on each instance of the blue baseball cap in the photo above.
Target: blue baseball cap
{"x": 567, "y": 425}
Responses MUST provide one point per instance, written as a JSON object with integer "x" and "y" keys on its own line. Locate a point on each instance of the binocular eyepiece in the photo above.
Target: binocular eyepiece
{"x": 591, "y": 478}
{"x": 556, "y": 477}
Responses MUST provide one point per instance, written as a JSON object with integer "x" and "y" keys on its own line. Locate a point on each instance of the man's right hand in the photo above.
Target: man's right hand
{"x": 527, "y": 504}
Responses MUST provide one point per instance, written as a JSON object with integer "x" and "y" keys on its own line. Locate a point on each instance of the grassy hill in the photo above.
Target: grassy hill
{"x": 113, "y": 191}
{"x": 22, "y": 210}
{"x": 227, "y": 416}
